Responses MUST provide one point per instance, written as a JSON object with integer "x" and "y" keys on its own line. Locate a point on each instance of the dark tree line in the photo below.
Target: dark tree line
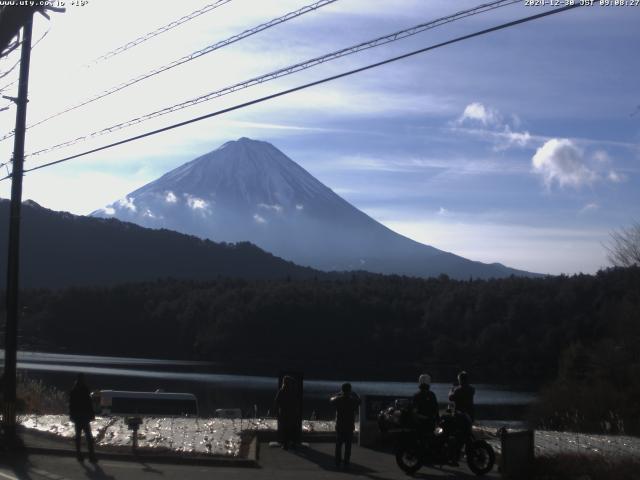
{"x": 515, "y": 328}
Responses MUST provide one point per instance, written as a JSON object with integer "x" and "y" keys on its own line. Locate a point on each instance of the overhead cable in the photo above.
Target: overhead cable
{"x": 395, "y": 36}
{"x": 4, "y": 74}
{"x": 199, "y": 53}
{"x": 2, "y": 89}
{"x": 307, "y": 85}
{"x": 10, "y": 48}
{"x": 158, "y": 31}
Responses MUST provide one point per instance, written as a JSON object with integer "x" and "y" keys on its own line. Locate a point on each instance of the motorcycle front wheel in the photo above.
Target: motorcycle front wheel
{"x": 480, "y": 457}
{"x": 408, "y": 459}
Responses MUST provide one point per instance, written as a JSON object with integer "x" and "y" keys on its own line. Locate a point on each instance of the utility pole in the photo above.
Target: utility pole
{"x": 11, "y": 330}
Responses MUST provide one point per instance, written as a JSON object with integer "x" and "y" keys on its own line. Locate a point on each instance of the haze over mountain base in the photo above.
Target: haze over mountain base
{"x": 59, "y": 249}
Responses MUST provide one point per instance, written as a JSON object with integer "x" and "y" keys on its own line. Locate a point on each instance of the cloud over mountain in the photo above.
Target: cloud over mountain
{"x": 562, "y": 162}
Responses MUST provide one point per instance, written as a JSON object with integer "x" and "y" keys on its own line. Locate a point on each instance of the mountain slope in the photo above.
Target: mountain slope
{"x": 59, "y": 249}
{"x": 248, "y": 190}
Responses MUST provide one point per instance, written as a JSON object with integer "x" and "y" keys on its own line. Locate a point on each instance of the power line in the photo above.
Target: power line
{"x": 2, "y": 89}
{"x": 10, "y": 84}
{"x": 4, "y": 74}
{"x": 13, "y": 67}
{"x": 307, "y": 85}
{"x": 285, "y": 71}
{"x": 10, "y": 48}
{"x": 199, "y": 53}
{"x": 7, "y": 106}
{"x": 158, "y": 31}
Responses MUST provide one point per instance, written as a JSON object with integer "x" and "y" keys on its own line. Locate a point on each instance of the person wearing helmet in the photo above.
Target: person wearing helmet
{"x": 462, "y": 395}
{"x": 425, "y": 406}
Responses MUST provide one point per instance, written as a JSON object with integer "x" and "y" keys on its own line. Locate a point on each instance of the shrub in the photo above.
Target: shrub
{"x": 35, "y": 396}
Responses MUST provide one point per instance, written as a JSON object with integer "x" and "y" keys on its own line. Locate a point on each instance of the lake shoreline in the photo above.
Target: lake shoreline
{"x": 253, "y": 394}
{"x": 357, "y": 372}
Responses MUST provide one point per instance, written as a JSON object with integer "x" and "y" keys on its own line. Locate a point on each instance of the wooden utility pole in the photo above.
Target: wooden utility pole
{"x": 13, "y": 262}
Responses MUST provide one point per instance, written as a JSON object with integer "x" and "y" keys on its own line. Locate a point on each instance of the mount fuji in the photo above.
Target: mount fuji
{"x": 248, "y": 190}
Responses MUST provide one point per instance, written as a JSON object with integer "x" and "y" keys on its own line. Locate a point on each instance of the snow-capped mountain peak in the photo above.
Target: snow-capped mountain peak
{"x": 248, "y": 190}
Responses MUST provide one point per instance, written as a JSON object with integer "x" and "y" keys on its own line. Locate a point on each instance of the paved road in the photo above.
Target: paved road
{"x": 313, "y": 463}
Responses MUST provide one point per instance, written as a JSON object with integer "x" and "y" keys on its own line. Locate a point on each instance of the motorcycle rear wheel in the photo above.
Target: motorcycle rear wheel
{"x": 480, "y": 457}
{"x": 408, "y": 459}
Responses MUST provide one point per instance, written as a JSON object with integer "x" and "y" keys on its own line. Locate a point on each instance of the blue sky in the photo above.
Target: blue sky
{"x": 520, "y": 147}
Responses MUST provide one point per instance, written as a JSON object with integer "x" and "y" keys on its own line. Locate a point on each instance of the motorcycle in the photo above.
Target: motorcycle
{"x": 453, "y": 435}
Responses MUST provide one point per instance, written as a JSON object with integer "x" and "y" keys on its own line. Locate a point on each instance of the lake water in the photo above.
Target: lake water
{"x": 250, "y": 393}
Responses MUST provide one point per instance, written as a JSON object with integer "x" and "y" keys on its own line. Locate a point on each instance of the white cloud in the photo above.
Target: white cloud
{"x": 274, "y": 208}
{"x": 171, "y": 197}
{"x": 196, "y": 203}
{"x": 520, "y": 139}
{"x": 476, "y": 111}
{"x": 559, "y": 160}
{"x": 604, "y": 161}
{"x": 368, "y": 163}
{"x": 453, "y": 164}
{"x": 443, "y": 211}
{"x": 278, "y": 126}
{"x": 127, "y": 202}
{"x": 299, "y": 206}
{"x": 259, "y": 219}
{"x": 589, "y": 207}
{"x": 148, "y": 213}
{"x": 109, "y": 210}
{"x": 601, "y": 156}
{"x": 493, "y": 125}
{"x": 616, "y": 177}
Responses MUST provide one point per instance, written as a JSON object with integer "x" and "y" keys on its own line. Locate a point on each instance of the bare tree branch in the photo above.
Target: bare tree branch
{"x": 624, "y": 246}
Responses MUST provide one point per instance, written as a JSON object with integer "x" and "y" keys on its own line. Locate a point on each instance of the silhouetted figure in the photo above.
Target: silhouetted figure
{"x": 425, "y": 407}
{"x": 346, "y": 404}
{"x": 287, "y": 404}
{"x": 462, "y": 395}
{"x": 81, "y": 413}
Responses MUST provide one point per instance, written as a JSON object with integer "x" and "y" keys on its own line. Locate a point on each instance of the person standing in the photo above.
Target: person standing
{"x": 346, "y": 404}
{"x": 462, "y": 395}
{"x": 287, "y": 405}
{"x": 425, "y": 407}
{"x": 81, "y": 413}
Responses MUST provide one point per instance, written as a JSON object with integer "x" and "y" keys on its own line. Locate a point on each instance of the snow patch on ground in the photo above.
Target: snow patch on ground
{"x": 222, "y": 436}
{"x": 215, "y": 436}
{"x": 550, "y": 443}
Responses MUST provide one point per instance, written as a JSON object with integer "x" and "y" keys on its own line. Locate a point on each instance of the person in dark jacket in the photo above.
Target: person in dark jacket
{"x": 425, "y": 407}
{"x": 462, "y": 395}
{"x": 346, "y": 404}
{"x": 287, "y": 405}
{"x": 81, "y": 413}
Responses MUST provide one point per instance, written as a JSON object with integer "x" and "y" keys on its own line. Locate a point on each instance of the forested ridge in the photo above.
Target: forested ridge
{"x": 82, "y": 250}
{"x": 515, "y": 328}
